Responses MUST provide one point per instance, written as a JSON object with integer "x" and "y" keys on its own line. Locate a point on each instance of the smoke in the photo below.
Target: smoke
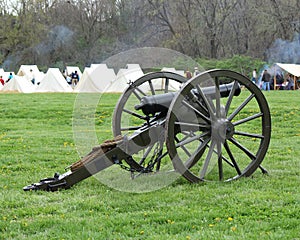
{"x": 58, "y": 37}
{"x": 58, "y": 43}
{"x": 9, "y": 64}
{"x": 285, "y": 51}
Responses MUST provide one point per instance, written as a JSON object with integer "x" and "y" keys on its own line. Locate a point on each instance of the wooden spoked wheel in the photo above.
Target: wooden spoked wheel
{"x": 215, "y": 132}
{"x": 127, "y": 119}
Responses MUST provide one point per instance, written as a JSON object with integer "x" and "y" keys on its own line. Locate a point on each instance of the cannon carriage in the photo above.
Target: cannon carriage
{"x": 213, "y": 127}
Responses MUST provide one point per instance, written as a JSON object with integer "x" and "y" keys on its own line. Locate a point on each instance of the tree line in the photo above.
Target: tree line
{"x": 54, "y": 33}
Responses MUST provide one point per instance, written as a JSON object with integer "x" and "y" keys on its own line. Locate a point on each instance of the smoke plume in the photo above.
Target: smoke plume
{"x": 285, "y": 51}
{"x": 59, "y": 37}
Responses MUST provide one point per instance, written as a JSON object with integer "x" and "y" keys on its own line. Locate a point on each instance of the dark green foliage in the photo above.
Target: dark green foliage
{"x": 242, "y": 64}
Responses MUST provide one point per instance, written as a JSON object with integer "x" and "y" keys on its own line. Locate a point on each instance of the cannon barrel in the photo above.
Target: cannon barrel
{"x": 160, "y": 103}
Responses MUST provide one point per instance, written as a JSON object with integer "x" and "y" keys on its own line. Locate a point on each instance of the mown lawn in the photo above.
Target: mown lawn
{"x": 37, "y": 139}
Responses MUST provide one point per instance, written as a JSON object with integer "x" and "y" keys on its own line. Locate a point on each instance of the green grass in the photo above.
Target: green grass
{"x": 36, "y": 140}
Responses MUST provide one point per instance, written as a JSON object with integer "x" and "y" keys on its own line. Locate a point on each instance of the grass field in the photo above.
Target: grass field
{"x": 36, "y": 140}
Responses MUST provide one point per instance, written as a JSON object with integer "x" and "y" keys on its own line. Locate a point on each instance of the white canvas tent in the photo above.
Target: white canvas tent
{"x": 131, "y": 73}
{"x": 99, "y": 65}
{"x": 24, "y": 71}
{"x": 54, "y": 81}
{"x": 18, "y": 84}
{"x": 293, "y": 69}
{"x": 83, "y": 78}
{"x": 173, "y": 70}
{"x": 133, "y": 66}
{"x": 96, "y": 78}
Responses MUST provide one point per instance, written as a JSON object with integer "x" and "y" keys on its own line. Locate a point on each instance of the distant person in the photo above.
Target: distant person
{"x": 10, "y": 76}
{"x": 188, "y": 74}
{"x": 289, "y": 83}
{"x": 1, "y": 80}
{"x": 278, "y": 81}
{"x": 266, "y": 78}
{"x": 254, "y": 76}
{"x": 69, "y": 79}
{"x": 31, "y": 76}
{"x": 75, "y": 78}
{"x": 196, "y": 71}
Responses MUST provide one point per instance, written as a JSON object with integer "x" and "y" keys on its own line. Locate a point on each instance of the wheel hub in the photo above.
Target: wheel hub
{"x": 222, "y": 129}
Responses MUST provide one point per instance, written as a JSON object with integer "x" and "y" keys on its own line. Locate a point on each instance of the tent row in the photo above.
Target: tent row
{"x": 96, "y": 78}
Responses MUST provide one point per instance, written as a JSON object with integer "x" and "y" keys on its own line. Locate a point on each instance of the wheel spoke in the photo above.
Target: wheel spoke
{"x": 137, "y": 91}
{"x": 162, "y": 155}
{"x": 207, "y": 101}
{"x": 207, "y": 160}
{"x": 146, "y": 154}
{"x": 197, "y": 125}
{"x": 141, "y": 91}
{"x": 134, "y": 114}
{"x": 193, "y": 158}
{"x": 244, "y": 149}
{"x": 247, "y": 119}
{"x": 230, "y": 97}
{"x": 130, "y": 128}
{"x": 241, "y": 107}
{"x": 218, "y": 115}
{"x": 224, "y": 158}
{"x": 137, "y": 95}
{"x": 200, "y": 104}
{"x": 189, "y": 140}
{"x": 218, "y": 97}
{"x": 167, "y": 85}
{"x": 220, "y": 162}
{"x": 202, "y": 108}
{"x": 252, "y": 135}
{"x": 212, "y": 106}
{"x": 151, "y": 87}
{"x": 188, "y": 105}
{"x": 186, "y": 134}
{"x": 238, "y": 170}
{"x": 183, "y": 147}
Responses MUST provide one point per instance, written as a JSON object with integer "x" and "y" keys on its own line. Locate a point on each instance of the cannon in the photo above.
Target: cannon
{"x": 213, "y": 127}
